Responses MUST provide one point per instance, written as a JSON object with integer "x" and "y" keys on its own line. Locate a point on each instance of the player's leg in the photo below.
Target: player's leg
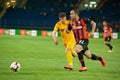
{"x": 70, "y": 59}
{"x": 94, "y": 57}
{"x": 72, "y": 44}
{"x": 81, "y": 59}
{"x": 69, "y": 52}
{"x": 80, "y": 51}
{"x": 81, "y": 48}
{"x": 107, "y": 43}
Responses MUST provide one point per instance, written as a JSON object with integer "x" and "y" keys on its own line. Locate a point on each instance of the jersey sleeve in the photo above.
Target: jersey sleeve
{"x": 56, "y": 28}
{"x": 87, "y": 20}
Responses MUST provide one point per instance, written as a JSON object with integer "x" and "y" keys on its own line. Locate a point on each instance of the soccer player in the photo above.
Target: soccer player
{"x": 68, "y": 39}
{"x": 107, "y": 35}
{"x": 79, "y": 28}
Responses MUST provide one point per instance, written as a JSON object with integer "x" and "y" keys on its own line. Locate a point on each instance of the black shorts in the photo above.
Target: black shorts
{"x": 84, "y": 44}
{"x": 108, "y": 39}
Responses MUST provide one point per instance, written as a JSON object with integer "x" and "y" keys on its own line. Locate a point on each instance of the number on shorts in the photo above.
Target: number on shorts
{"x": 81, "y": 41}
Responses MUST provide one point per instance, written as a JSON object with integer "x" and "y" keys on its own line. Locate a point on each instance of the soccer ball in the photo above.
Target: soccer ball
{"x": 15, "y": 66}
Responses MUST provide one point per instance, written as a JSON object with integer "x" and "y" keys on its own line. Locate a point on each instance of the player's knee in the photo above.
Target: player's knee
{"x": 106, "y": 42}
{"x": 88, "y": 54}
{"x": 78, "y": 50}
{"x": 88, "y": 57}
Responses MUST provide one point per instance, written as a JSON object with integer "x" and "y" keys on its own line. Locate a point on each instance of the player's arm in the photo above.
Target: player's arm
{"x": 68, "y": 29}
{"x": 54, "y": 35}
{"x": 93, "y": 24}
{"x": 110, "y": 29}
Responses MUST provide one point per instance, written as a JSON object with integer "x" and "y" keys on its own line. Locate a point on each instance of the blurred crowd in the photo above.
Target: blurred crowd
{"x": 114, "y": 25}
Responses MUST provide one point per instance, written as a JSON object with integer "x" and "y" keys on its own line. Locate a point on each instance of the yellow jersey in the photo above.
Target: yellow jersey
{"x": 61, "y": 27}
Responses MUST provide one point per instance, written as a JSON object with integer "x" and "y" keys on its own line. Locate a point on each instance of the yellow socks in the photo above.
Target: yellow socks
{"x": 69, "y": 57}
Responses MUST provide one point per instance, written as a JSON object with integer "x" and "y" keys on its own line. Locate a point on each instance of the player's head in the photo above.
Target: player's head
{"x": 62, "y": 16}
{"x": 74, "y": 14}
{"x": 104, "y": 23}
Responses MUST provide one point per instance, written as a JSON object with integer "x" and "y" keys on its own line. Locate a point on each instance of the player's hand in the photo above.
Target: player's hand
{"x": 91, "y": 35}
{"x": 56, "y": 42}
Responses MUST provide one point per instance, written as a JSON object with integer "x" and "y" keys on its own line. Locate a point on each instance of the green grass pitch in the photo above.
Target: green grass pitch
{"x": 40, "y": 59}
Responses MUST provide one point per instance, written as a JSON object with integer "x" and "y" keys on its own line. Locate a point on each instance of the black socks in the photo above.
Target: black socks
{"x": 110, "y": 46}
{"x": 94, "y": 57}
{"x": 81, "y": 59}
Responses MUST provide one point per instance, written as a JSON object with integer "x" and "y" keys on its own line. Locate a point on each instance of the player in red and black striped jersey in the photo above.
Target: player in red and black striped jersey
{"x": 107, "y": 35}
{"x": 78, "y": 25}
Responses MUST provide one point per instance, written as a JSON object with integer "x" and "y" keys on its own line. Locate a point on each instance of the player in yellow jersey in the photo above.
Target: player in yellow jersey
{"x": 68, "y": 39}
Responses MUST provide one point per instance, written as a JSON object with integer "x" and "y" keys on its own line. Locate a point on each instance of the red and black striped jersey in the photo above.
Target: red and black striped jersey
{"x": 79, "y": 28}
{"x": 107, "y": 31}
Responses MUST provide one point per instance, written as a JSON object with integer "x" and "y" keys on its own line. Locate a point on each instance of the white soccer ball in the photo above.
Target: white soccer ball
{"x": 15, "y": 66}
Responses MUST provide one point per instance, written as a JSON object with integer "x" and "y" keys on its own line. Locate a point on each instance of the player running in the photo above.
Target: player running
{"x": 107, "y": 35}
{"x": 79, "y": 28}
{"x": 68, "y": 39}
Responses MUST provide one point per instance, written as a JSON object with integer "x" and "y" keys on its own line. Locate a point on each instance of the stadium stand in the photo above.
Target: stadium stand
{"x": 42, "y": 14}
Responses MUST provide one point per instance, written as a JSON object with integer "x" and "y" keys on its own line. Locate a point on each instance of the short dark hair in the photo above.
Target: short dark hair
{"x": 76, "y": 11}
{"x": 62, "y": 14}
